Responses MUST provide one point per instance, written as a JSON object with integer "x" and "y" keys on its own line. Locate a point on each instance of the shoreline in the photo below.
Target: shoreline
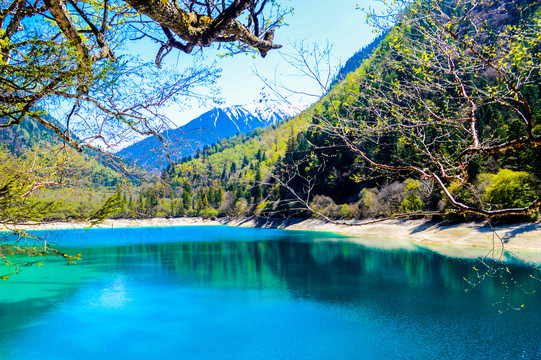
{"x": 445, "y": 235}
{"x": 426, "y": 233}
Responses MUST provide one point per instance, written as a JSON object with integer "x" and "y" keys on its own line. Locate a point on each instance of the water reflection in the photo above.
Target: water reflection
{"x": 325, "y": 271}
{"x": 395, "y": 299}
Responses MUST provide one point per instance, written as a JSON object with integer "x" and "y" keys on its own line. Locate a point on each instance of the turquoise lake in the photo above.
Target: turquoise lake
{"x": 217, "y": 292}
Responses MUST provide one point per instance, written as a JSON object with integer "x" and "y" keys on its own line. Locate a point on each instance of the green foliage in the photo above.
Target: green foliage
{"x": 412, "y": 201}
{"x": 111, "y": 206}
{"x": 509, "y": 189}
{"x": 371, "y": 112}
{"x": 367, "y": 202}
{"x": 209, "y": 213}
{"x": 20, "y": 177}
{"x": 400, "y": 108}
{"x": 325, "y": 206}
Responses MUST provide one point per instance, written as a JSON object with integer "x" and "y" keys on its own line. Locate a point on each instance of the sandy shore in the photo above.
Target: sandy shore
{"x": 444, "y": 237}
{"x": 117, "y": 223}
{"x": 453, "y": 239}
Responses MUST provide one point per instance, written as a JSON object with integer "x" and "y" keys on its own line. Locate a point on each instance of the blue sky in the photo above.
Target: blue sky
{"x": 338, "y": 22}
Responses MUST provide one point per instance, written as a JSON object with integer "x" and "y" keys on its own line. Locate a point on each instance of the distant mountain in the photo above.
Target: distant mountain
{"x": 209, "y": 128}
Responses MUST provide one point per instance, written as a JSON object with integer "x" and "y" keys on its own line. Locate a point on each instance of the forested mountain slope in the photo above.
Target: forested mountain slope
{"x": 357, "y": 59}
{"x": 415, "y": 130}
{"x": 27, "y": 134}
{"x": 213, "y": 126}
{"x": 385, "y": 139}
{"x": 443, "y": 119}
{"x": 56, "y": 177}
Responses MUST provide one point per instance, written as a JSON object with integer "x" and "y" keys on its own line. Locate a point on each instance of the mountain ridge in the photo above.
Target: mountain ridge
{"x": 206, "y": 129}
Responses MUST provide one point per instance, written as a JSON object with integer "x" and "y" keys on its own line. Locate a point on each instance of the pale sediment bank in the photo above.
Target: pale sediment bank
{"x": 116, "y": 223}
{"x": 443, "y": 235}
{"x": 460, "y": 240}
{"x": 515, "y": 237}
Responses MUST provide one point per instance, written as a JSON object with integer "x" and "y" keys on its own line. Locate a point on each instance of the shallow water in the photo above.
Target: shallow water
{"x": 238, "y": 293}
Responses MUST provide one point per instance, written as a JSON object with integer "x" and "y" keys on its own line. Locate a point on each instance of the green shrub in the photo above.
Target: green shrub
{"x": 350, "y": 211}
{"x": 509, "y": 189}
{"x": 412, "y": 201}
{"x": 325, "y": 206}
{"x": 209, "y": 213}
{"x": 367, "y": 203}
{"x": 241, "y": 207}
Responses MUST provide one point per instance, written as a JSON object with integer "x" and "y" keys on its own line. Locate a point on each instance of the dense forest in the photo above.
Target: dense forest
{"x": 410, "y": 126}
{"x": 314, "y": 165}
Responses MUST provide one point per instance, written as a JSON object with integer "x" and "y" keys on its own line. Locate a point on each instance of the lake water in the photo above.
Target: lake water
{"x": 216, "y": 292}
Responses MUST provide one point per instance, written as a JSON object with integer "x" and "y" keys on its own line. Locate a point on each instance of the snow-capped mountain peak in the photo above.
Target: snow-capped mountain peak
{"x": 208, "y": 128}
{"x": 266, "y": 111}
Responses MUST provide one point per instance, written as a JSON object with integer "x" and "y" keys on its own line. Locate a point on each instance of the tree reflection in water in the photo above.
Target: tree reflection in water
{"x": 388, "y": 301}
